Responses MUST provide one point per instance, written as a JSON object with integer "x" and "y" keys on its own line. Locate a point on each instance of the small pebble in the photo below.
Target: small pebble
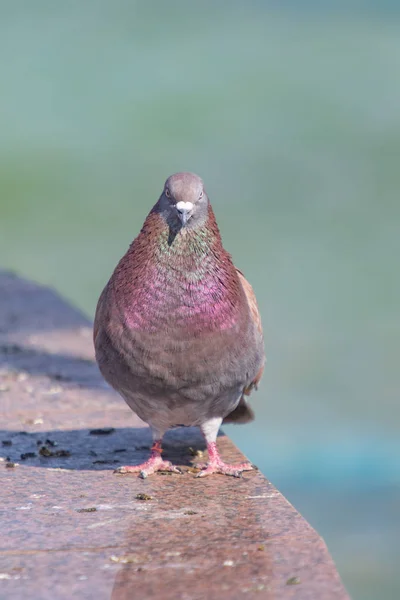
{"x": 45, "y": 451}
{"x": 102, "y": 431}
{"x": 55, "y": 389}
{"x": 129, "y": 558}
{"x": 62, "y": 453}
{"x": 37, "y": 421}
{"x": 56, "y": 454}
{"x": 194, "y": 452}
{"x": 293, "y": 581}
{"x": 26, "y": 455}
{"x": 143, "y": 497}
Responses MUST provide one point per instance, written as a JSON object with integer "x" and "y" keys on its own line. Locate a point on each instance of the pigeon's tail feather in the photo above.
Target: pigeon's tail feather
{"x": 243, "y": 413}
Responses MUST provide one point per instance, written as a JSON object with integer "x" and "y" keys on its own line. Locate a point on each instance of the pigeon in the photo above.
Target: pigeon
{"x": 177, "y": 331}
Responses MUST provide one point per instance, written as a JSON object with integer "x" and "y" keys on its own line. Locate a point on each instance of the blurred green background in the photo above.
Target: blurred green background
{"x": 290, "y": 113}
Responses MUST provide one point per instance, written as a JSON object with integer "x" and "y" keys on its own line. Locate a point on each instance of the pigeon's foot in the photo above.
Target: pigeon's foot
{"x": 149, "y": 467}
{"x": 152, "y": 465}
{"x": 216, "y": 464}
{"x": 224, "y": 469}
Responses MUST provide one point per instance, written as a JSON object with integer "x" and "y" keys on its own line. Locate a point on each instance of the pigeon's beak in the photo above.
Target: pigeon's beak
{"x": 184, "y": 210}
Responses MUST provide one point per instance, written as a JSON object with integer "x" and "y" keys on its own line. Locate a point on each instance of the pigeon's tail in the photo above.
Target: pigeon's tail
{"x": 243, "y": 413}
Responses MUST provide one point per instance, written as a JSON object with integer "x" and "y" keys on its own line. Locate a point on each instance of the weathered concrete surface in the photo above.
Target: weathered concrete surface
{"x": 71, "y": 528}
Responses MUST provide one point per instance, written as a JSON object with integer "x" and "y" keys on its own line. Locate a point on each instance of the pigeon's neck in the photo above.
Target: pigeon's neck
{"x": 183, "y": 250}
{"x": 186, "y": 277}
{"x": 187, "y": 249}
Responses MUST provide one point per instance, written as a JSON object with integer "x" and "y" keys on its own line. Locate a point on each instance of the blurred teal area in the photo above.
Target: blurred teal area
{"x": 290, "y": 113}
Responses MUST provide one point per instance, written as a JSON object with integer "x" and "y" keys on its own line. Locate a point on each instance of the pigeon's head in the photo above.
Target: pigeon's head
{"x": 184, "y": 201}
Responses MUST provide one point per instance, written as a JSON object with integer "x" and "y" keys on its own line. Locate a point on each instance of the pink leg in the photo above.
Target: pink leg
{"x": 153, "y": 464}
{"x": 216, "y": 464}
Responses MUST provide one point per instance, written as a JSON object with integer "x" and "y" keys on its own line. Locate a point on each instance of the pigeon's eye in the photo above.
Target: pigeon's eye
{"x": 201, "y": 194}
{"x": 167, "y": 193}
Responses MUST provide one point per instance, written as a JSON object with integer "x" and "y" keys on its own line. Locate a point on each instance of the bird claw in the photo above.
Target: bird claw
{"x": 151, "y": 466}
{"x": 224, "y": 469}
{"x": 167, "y": 467}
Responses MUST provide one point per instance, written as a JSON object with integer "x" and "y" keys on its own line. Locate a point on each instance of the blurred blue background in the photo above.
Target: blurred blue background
{"x": 290, "y": 113}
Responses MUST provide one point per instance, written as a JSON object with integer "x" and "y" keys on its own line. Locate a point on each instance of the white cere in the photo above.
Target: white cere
{"x": 184, "y": 206}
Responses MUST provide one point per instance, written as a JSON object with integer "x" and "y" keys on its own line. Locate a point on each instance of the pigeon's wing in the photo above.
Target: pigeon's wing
{"x": 251, "y": 299}
{"x": 255, "y": 314}
{"x": 243, "y": 413}
{"x": 99, "y": 316}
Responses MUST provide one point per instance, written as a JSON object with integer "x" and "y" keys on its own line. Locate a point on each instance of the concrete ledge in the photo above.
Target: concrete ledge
{"x": 70, "y": 528}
